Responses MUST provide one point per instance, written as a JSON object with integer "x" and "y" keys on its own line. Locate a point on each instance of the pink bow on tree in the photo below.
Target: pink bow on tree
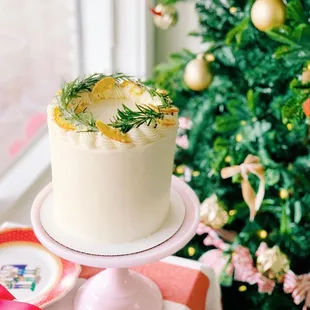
{"x": 299, "y": 287}
{"x": 7, "y": 301}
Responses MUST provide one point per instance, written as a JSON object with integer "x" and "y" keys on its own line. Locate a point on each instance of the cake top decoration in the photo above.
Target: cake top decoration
{"x": 75, "y": 106}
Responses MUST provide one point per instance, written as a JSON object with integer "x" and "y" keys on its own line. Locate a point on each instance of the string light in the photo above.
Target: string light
{"x": 283, "y": 194}
{"x": 180, "y": 169}
{"x": 289, "y": 126}
{"x": 233, "y": 10}
{"x": 262, "y": 234}
{"x": 239, "y": 137}
{"x": 232, "y": 212}
{"x": 243, "y": 123}
{"x": 228, "y": 159}
{"x": 196, "y": 173}
{"x": 191, "y": 251}
{"x": 210, "y": 57}
{"x": 242, "y": 288}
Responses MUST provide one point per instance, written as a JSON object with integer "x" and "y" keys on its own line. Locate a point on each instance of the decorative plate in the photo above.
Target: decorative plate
{"x": 30, "y": 272}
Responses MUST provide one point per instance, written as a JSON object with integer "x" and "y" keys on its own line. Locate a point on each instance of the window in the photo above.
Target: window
{"x": 38, "y": 42}
{"x": 44, "y": 43}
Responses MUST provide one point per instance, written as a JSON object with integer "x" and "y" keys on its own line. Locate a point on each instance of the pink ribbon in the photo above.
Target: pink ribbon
{"x": 7, "y": 301}
{"x": 242, "y": 264}
{"x": 299, "y": 287}
{"x": 212, "y": 238}
{"x": 246, "y": 272}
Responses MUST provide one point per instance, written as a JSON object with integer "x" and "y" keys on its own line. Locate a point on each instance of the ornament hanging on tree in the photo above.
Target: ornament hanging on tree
{"x": 306, "y": 107}
{"x": 212, "y": 214}
{"x": 197, "y": 74}
{"x": 267, "y": 14}
{"x": 272, "y": 263}
{"x": 164, "y": 16}
{"x": 305, "y": 77}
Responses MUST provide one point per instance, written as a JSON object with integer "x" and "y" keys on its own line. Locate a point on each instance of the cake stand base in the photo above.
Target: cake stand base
{"x": 118, "y": 289}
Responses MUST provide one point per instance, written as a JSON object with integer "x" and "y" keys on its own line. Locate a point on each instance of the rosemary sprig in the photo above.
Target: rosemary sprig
{"x": 127, "y": 119}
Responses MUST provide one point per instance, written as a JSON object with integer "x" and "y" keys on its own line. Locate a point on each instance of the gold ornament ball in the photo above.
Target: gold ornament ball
{"x": 267, "y": 14}
{"x": 197, "y": 74}
{"x": 168, "y": 17}
{"x": 273, "y": 264}
{"x": 305, "y": 77}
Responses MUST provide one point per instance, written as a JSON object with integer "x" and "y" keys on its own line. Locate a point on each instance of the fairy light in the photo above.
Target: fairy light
{"x": 239, "y": 137}
{"x": 228, "y": 159}
{"x": 210, "y": 57}
{"x": 232, "y": 212}
{"x": 262, "y": 234}
{"x": 242, "y": 288}
{"x": 243, "y": 123}
{"x": 283, "y": 193}
{"x": 191, "y": 251}
{"x": 196, "y": 173}
{"x": 290, "y": 126}
{"x": 180, "y": 169}
{"x": 233, "y": 10}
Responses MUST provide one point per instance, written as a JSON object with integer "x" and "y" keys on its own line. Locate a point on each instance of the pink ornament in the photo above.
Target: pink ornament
{"x": 185, "y": 123}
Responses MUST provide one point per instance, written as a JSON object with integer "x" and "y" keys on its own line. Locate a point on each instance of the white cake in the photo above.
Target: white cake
{"x": 111, "y": 183}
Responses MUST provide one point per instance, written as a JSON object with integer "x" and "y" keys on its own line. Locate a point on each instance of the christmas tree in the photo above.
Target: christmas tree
{"x": 243, "y": 145}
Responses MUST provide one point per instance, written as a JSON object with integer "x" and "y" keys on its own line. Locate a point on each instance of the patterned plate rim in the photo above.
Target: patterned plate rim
{"x": 69, "y": 272}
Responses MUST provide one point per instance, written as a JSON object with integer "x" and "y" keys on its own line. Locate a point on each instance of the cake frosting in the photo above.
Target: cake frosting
{"x": 112, "y": 147}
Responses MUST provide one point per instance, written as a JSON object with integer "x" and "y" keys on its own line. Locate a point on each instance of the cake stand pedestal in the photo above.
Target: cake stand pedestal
{"x": 117, "y": 287}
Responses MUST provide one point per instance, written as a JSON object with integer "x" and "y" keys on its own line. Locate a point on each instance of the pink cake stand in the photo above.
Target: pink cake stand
{"x": 118, "y": 288}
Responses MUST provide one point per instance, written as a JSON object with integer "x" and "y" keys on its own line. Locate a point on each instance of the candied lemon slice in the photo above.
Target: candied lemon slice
{"x": 170, "y": 110}
{"x": 112, "y": 133}
{"x": 134, "y": 88}
{"x": 60, "y": 121}
{"x": 167, "y": 122}
{"x": 99, "y": 88}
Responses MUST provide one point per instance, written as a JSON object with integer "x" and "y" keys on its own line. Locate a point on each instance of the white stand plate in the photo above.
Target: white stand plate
{"x": 169, "y": 228}
{"x": 118, "y": 288}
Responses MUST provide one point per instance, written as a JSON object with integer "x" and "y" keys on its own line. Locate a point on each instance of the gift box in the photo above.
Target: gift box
{"x": 185, "y": 284}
